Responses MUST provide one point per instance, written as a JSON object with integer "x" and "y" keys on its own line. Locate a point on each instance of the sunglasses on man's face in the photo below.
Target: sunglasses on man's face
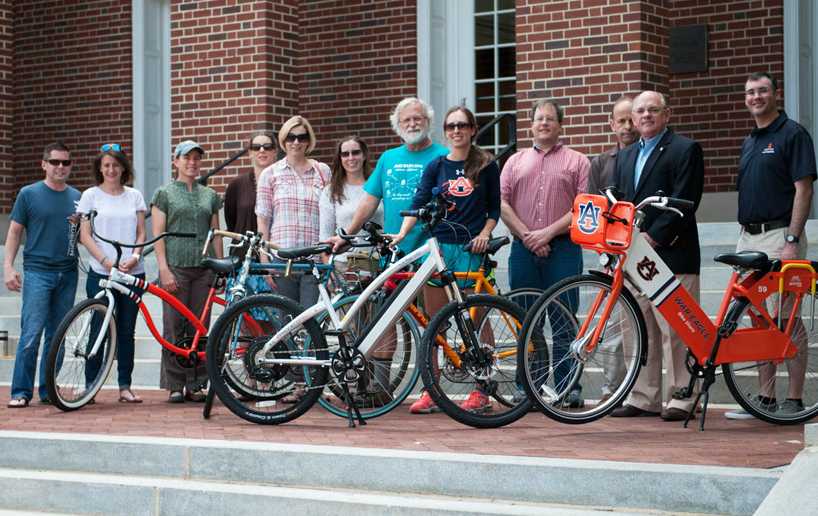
{"x": 348, "y": 153}
{"x": 108, "y": 147}
{"x": 58, "y": 162}
{"x": 258, "y": 146}
{"x": 303, "y": 138}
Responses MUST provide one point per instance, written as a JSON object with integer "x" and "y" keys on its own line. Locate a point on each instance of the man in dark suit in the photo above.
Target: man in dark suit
{"x": 662, "y": 160}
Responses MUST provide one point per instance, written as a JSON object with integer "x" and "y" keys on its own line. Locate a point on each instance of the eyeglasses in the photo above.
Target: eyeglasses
{"x": 303, "y": 138}
{"x": 108, "y": 147}
{"x": 266, "y": 146}
{"x": 410, "y": 119}
{"x": 348, "y": 153}
{"x": 457, "y": 125}
{"x": 58, "y": 162}
{"x": 653, "y": 110}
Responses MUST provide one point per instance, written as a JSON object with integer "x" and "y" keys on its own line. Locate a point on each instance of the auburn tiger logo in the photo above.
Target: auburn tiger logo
{"x": 460, "y": 187}
{"x": 588, "y": 219}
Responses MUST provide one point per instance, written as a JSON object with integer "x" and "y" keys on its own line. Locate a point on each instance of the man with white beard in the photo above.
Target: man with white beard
{"x": 398, "y": 172}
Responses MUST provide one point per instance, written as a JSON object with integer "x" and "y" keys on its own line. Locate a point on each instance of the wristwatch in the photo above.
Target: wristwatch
{"x": 792, "y": 239}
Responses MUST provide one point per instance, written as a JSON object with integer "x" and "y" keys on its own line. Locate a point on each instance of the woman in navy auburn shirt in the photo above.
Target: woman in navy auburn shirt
{"x": 471, "y": 181}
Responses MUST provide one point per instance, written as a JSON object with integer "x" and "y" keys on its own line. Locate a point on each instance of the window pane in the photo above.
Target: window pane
{"x": 508, "y": 103}
{"x": 483, "y": 30}
{"x": 508, "y": 88}
{"x": 485, "y": 89}
{"x": 484, "y": 63}
{"x": 481, "y": 6}
{"x": 505, "y": 4}
{"x": 505, "y": 28}
{"x": 506, "y": 62}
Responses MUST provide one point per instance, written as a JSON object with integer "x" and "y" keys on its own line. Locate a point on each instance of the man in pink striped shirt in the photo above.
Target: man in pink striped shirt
{"x": 537, "y": 190}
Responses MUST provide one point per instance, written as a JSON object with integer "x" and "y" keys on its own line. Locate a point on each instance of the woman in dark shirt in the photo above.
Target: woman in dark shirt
{"x": 240, "y": 196}
{"x": 470, "y": 179}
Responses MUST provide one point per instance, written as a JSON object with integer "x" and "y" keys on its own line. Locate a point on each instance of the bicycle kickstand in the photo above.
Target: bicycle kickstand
{"x": 352, "y": 409}
{"x": 208, "y": 406}
{"x": 705, "y": 393}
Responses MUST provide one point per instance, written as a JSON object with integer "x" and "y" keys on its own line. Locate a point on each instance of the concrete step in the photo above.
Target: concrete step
{"x": 216, "y": 477}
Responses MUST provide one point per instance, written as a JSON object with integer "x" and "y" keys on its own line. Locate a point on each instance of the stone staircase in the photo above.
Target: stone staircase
{"x": 97, "y": 474}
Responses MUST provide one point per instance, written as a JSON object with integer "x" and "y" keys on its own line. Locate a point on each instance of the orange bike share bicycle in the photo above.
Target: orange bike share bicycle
{"x": 763, "y": 337}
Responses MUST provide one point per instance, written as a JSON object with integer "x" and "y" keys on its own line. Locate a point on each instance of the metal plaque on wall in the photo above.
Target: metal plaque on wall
{"x": 688, "y": 49}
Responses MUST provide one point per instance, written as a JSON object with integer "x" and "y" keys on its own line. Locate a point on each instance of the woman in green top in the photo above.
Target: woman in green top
{"x": 186, "y": 206}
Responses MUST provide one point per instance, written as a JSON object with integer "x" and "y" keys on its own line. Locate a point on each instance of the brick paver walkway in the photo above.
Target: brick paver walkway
{"x": 723, "y": 443}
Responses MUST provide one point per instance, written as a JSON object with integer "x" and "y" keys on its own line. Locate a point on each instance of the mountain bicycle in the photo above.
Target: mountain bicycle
{"x": 298, "y": 359}
{"x": 759, "y": 338}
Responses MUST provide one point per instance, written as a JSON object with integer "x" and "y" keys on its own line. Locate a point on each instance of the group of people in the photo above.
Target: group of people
{"x": 298, "y": 201}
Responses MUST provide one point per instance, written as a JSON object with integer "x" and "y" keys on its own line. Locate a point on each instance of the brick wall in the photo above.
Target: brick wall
{"x": 233, "y": 72}
{"x": 6, "y": 104}
{"x": 72, "y": 82}
{"x": 744, "y": 37}
{"x": 585, "y": 53}
{"x": 358, "y": 60}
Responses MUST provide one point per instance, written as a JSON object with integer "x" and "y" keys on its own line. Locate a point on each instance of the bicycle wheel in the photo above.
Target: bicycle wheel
{"x": 475, "y": 384}
{"x": 75, "y": 372}
{"x": 525, "y": 297}
{"x": 569, "y": 383}
{"x": 768, "y": 390}
{"x": 259, "y": 392}
{"x": 391, "y": 372}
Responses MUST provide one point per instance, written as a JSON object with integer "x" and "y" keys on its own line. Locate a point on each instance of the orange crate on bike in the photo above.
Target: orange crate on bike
{"x": 591, "y": 227}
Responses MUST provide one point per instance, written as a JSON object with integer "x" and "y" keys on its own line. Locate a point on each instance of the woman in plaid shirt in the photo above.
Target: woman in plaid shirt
{"x": 287, "y": 202}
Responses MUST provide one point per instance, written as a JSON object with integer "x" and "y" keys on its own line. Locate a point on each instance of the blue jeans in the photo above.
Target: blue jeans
{"x": 47, "y": 297}
{"x": 125, "y": 319}
{"x": 529, "y": 270}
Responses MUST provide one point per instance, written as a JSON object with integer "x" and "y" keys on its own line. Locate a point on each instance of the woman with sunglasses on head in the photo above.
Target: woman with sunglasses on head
{"x": 120, "y": 216}
{"x": 287, "y": 202}
{"x": 471, "y": 180}
{"x": 340, "y": 199}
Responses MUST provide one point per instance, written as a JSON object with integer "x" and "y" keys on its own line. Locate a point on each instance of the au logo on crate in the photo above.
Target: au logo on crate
{"x": 588, "y": 219}
{"x": 647, "y": 269}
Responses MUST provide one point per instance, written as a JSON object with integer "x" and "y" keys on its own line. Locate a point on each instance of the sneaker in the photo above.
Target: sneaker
{"x": 424, "y": 405}
{"x": 477, "y": 402}
{"x": 741, "y": 414}
{"x": 791, "y": 407}
{"x": 574, "y": 400}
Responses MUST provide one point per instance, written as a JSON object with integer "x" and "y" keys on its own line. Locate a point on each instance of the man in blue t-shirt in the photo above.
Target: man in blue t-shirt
{"x": 397, "y": 174}
{"x": 42, "y": 211}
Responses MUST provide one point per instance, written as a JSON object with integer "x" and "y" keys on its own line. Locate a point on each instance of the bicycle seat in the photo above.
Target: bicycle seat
{"x": 294, "y": 253}
{"x": 222, "y": 266}
{"x": 494, "y": 244}
{"x": 745, "y": 260}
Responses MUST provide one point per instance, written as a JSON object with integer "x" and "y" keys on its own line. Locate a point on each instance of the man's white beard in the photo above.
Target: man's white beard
{"x": 413, "y": 137}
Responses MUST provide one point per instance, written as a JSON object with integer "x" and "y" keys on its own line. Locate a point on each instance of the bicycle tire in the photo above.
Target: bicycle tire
{"x": 744, "y": 381}
{"x": 403, "y": 374}
{"x": 524, "y": 296}
{"x": 71, "y": 379}
{"x": 233, "y": 338}
{"x": 552, "y": 375}
{"x": 495, "y": 379}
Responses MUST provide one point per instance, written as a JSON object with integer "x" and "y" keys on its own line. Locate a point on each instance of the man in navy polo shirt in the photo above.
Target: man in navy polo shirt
{"x": 776, "y": 172}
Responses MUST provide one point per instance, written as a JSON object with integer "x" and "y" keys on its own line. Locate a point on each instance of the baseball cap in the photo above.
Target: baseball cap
{"x": 184, "y": 148}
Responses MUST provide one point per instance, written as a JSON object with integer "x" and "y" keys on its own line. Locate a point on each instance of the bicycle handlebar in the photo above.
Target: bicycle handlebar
{"x": 237, "y": 236}
{"x": 92, "y": 215}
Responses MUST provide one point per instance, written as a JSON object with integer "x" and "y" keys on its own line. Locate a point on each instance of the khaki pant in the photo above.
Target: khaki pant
{"x": 772, "y": 244}
{"x": 663, "y": 341}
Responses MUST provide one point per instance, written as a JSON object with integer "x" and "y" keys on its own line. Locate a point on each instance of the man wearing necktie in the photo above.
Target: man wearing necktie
{"x": 662, "y": 161}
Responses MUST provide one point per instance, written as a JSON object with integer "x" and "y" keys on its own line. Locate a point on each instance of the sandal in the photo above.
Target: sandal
{"x": 196, "y": 396}
{"x": 127, "y": 396}
{"x": 176, "y": 397}
{"x": 18, "y": 403}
